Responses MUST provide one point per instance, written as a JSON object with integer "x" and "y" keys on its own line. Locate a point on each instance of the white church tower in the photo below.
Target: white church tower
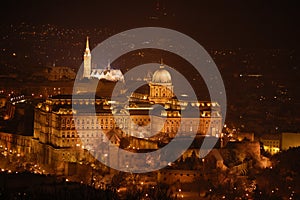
{"x": 87, "y": 61}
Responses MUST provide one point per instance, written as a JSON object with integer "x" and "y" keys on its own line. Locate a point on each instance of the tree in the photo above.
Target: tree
{"x": 118, "y": 180}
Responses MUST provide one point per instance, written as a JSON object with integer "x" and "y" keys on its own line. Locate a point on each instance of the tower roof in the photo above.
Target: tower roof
{"x": 87, "y": 43}
{"x": 87, "y": 51}
{"x": 161, "y": 76}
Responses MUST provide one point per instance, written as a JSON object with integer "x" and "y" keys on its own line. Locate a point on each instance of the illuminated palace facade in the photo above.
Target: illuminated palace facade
{"x": 66, "y": 138}
{"x": 54, "y": 122}
{"x": 56, "y": 127}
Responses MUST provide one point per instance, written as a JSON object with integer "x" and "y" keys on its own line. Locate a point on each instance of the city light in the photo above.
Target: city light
{"x": 83, "y": 114}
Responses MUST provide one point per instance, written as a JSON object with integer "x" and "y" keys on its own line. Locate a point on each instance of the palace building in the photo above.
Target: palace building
{"x": 55, "y": 124}
{"x": 147, "y": 118}
{"x": 161, "y": 88}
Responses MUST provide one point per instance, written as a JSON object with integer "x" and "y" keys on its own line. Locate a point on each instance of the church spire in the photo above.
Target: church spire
{"x": 87, "y": 43}
{"x": 87, "y": 60}
{"x": 87, "y": 47}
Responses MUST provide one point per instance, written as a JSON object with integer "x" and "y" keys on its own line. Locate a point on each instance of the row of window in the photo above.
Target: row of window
{"x": 73, "y": 142}
{"x": 81, "y": 135}
{"x": 86, "y": 121}
{"x": 109, "y": 120}
{"x": 87, "y": 127}
{"x": 271, "y": 142}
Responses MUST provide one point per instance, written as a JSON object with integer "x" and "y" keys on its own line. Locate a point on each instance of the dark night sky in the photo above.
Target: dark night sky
{"x": 216, "y": 23}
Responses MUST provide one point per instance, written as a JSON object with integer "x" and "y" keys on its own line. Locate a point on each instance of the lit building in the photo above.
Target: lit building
{"x": 54, "y": 124}
{"x": 56, "y": 73}
{"x": 161, "y": 88}
{"x": 107, "y": 73}
{"x": 183, "y": 116}
{"x": 281, "y": 142}
{"x": 271, "y": 143}
{"x": 56, "y": 116}
{"x": 70, "y": 139}
{"x": 87, "y": 61}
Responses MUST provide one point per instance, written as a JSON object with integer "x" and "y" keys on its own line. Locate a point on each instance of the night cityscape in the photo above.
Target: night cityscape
{"x": 80, "y": 121}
